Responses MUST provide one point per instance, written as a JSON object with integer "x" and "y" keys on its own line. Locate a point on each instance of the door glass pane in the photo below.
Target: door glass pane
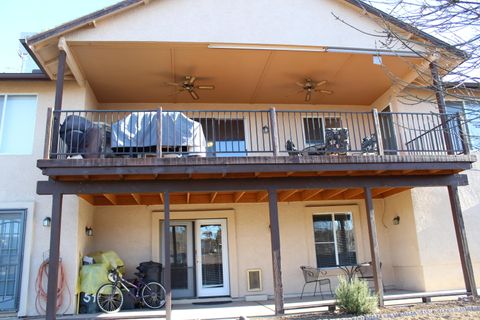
{"x": 211, "y": 255}
{"x": 11, "y": 236}
{"x": 178, "y": 257}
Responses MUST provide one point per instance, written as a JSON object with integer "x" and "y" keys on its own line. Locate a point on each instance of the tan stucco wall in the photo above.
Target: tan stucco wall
{"x": 250, "y": 21}
{"x": 129, "y": 230}
{"x": 437, "y": 242}
{"x": 18, "y": 191}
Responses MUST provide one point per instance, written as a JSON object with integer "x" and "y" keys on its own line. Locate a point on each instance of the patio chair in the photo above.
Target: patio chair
{"x": 366, "y": 272}
{"x": 317, "y": 276}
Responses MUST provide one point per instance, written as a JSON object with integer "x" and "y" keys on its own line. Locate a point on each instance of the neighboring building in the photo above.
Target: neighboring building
{"x": 278, "y": 168}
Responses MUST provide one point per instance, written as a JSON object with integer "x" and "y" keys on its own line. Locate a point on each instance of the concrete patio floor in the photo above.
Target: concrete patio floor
{"x": 237, "y": 309}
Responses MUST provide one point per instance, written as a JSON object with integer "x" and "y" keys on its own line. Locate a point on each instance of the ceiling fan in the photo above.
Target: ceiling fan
{"x": 188, "y": 84}
{"x": 310, "y": 86}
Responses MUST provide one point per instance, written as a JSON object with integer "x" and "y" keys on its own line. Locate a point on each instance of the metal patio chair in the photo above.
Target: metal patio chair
{"x": 317, "y": 276}
{"x": 366, "y": 273}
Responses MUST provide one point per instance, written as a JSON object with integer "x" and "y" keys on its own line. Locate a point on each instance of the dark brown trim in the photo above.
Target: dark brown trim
{"x": 462, "y": 242}
{"x": 276, "y": 257}
{"x": 62, "y": 58}
{"x": 442, "y": 108}
{"x": 251, "y": 164}
{"x": 405, "y": 26}
{"x": 374, "y": 248}
{"x": 54, "y": 256}
{"x": 166, "y": 248}
{"x": 23, "y": 77}
{"x": 82, "y": 21}
{"x": 33, "y": 56}
{"x": 157, "y": 186}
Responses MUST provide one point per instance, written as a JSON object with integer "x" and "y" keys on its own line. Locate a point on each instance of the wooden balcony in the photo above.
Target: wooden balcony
{"x": 242, "y": 145}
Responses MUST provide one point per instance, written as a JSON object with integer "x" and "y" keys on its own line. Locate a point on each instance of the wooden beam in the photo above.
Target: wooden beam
{"x": 122, "y": 187}
{"x": 261, "y": 196}
{"x": 462, "y": 242}
{"x": 276, "y": 258}
{"x": 238, "y": 195}
{"x": 213, "y": 195}
{"x": 352, "y": 193}
{"x": 309, "y": 194}
{"x": 329, "y": 194}
{"x": 188, "y": 197}
{"x": 374, "y": 248}
{"x": 137, "y": 198}
{"x": 284, "y": 195}
{"x": 392, "y": 192}
{"x": 379, "y": 191}
{"x": 54, "y": 256}
{"x": 166, "y": 249}
{"x": 72, "y": 64}
{"x": 161, "y": 198}
{"x": 111, "y": 197}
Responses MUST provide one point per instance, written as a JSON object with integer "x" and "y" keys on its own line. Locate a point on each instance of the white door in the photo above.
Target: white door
{"x": 211, "y": 248}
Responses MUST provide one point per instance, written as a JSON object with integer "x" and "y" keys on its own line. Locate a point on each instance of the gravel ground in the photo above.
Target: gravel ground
{"x": 451, "y": 310}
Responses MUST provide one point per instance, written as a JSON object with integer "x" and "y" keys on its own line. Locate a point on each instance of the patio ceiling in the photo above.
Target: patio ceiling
{"x": 138, "y": 72}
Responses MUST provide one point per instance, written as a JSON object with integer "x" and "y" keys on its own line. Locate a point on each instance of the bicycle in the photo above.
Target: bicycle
{"x": 110, "y": 296}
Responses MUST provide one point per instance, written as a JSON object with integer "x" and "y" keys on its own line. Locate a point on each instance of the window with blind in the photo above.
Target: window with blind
{"x": 334, "y": 239}
{"x": 314, "y": 128}
{"x": 225, "y": 137}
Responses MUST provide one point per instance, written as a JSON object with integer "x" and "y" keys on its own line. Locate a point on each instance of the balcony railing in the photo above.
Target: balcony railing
{"x": 239, "y": 133}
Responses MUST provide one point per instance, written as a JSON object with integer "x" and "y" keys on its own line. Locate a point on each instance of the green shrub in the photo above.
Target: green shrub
{"x": 354, "y": 297}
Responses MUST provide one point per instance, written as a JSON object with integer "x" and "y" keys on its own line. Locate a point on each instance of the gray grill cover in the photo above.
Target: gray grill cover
{"x": 139, "y": 129}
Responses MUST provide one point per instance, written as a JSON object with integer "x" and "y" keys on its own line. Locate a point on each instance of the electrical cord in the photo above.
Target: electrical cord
{"x": 41, "y": 284}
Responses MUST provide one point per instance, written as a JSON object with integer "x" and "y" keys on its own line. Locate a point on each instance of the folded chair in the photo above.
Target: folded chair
{"x": 317, "y": 276}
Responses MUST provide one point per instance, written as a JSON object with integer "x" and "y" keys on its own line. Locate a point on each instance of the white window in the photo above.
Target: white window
{"x": 17, "y": 123}
{"x": 334, "y": 239}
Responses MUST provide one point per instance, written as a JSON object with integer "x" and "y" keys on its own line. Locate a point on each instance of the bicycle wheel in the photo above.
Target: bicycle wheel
{"x": 153, "y": 295}
{"x": 109, "y": 298}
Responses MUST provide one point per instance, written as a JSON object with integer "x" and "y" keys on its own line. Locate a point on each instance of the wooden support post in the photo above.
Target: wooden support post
{"x": 462, "y": 243}
{"x": 159, "y": 132}
{"x": 465, "y": 141}
{"x": 274, "y": 132}
{"x": 439, "y": 93}
{"x": 58, "y": 102}
{"x": 54, "y": 256}
{"x": 166, "y": 248}
{"x": 276, "y": 258}
{"x": 374, "y": 249}
{"x": 378, "y": 132}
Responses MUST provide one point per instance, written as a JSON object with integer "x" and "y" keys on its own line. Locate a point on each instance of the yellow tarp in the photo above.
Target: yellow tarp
{"x": 92, "y": 276}
{"x": 110, "y": 259}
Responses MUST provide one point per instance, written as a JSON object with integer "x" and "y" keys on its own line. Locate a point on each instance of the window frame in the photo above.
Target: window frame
{"x": 323, "y": 121}
{"x": 2, "y": 120}
{"x": 358, "y": 227}
{"x": 462, "y": 111}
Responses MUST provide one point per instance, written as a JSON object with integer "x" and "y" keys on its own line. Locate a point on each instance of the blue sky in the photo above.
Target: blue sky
{"x": 36, "y": 16}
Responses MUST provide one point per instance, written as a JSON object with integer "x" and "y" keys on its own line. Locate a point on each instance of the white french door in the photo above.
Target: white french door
{"x": 211, "y": 258}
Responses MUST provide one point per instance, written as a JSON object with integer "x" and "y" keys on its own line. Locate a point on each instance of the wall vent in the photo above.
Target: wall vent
{"x": 254, "y": 279}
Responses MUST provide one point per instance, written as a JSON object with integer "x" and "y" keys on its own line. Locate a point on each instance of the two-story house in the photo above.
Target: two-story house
{"x": 260, "y": 136}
